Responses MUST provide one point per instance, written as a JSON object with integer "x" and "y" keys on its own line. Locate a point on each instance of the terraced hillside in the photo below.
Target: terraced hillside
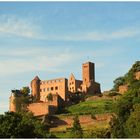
{"x": 94, "y": 115}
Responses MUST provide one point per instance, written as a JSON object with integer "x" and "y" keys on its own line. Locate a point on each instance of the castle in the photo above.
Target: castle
{"x": 61, "y": 89}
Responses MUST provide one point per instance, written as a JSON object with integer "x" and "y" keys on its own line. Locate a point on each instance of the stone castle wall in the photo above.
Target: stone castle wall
{"x": 39, "y": 109}
{"x": 137, "y": 75}
{"x": 54, "y": 86}
{"x": 123, "y": 89}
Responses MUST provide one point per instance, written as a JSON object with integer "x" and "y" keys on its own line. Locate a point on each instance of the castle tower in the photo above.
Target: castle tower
{"x": 35, "y": 85}
{"x": 12, "y": 105}
{"x": 15, "y": 101}
{"x": 88, "y": 73}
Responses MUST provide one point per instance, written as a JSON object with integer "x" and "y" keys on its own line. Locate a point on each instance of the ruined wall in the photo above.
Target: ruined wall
{"x": 137, "y": 75}
{"x": 14, "y": 103}
{"x": 54, "y": 86}
{"x": 38, "y": 109}
{"x": 123, "y": 89}
{"x": 73, "y": 84}
{"x": 97, "y": 88}
{"x": 88, "y": 73}
{"x": 35, "y": 85}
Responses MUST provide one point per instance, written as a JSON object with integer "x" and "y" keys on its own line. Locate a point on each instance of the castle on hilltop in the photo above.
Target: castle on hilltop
{"x": 61, "y": 89}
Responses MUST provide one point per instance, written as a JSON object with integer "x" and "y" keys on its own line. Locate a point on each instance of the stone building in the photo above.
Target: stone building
{"x": 60, "y": 89}
{"x": 88, "y": 74}
{"x": 73, "y": 84}
{"x": 137, "y": 75}
{"x": 53, "y": 86}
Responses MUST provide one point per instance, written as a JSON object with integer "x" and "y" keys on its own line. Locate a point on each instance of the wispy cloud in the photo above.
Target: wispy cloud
{"x": 11, "y": 25}
{"x": 48, "y": 59}
{"x": 98, "y": 35}
{"x": 37, "y": 59}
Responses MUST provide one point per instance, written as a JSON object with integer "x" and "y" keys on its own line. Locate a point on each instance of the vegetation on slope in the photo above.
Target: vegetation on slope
{"x": 91, "y": 107}
{"x": 21, "y": 125}
{"x": 126, "y": 124}
{"x": 128, "y": 78}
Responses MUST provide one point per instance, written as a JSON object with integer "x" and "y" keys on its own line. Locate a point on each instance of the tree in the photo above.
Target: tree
{"x": 21, "y": 125}
{"x": 76, "y": 130}
{"x": 132, "y": 127}
{"x": 119, "y": 81}
{"x": 50, "y": 97}
{"x": 25, "y": 90}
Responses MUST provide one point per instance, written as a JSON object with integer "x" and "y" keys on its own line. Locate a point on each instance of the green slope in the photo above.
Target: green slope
{"x": 92, "y": 107}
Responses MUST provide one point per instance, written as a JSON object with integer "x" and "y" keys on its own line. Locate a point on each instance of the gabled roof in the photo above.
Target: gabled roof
{"x": 71, "y": 76}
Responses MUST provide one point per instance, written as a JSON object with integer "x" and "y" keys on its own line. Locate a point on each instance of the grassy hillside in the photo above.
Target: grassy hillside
{"x": 92, "y": 107}
{"x": 88, "y": 124}
{"x": 100, "y": 108}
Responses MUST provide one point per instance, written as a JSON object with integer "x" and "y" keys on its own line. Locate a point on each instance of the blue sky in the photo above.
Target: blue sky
{"x": 53, "y": 39}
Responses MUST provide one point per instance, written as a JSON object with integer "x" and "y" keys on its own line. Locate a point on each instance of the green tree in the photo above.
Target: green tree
{"x": 25, "y": 90}
{"x": 117, "y": 82}
{"x": 132, "y": 127}
{"x": 21, "y": 125}
{"x": 76, "y": 130}
{"x": 124, "y": 110}
{"x": 50, "y": 97}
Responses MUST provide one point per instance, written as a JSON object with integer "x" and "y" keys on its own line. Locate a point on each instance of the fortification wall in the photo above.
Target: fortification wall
{"x": 137, "y": 75}
{"x": 15, "y": 104}
{"x": 39, "y": 109}
{"x": 123, "y": 89}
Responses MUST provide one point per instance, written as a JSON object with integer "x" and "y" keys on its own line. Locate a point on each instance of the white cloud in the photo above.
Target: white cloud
{"x": 12, "y": 25}
{"x": 37, "y": 59}
{"x": 18, "y": 60}
{"x": 97, "y": 35}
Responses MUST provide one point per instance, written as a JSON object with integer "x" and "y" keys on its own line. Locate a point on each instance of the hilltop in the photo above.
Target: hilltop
{"x": 108, "y": 115}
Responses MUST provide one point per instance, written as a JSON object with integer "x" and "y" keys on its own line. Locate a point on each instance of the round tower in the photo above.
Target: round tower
{"x": 35, "y": 86}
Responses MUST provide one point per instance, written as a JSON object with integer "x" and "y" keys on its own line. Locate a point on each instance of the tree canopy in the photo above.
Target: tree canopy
{"x": 21, "y": 125}
{"x": 126, "y": 123}
{"x": 76, "y": 130}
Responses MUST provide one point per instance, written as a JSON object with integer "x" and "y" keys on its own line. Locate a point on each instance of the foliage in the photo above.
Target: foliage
{"x": 132, "y": 126}
{"x": 21, "y": 125}
{"x": 77, "y": 97}
{"x": 126, "y": 123}
{"x": 93, "y": 116}
{"x": 25, "y": 91}
{"x": 116, "y": 128}
{"x": 76, "y": 130}
{"x": 128, "y": 78}
{"x": 113, "y": 93}
{"x": 50, "y": 97}
{"x": 89, "y": 107}
{"x": 117, "y": 82}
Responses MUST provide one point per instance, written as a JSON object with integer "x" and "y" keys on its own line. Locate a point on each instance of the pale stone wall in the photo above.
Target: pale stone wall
{"x": 123, "y": 89}
{"x": 54, "y": 86}
{"x": 137, "y": 75}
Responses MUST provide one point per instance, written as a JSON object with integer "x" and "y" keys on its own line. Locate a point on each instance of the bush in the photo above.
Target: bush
{"x": 93, "y": 116}
{"x": 113, "y": 93}
{"x": 76, "y": 130}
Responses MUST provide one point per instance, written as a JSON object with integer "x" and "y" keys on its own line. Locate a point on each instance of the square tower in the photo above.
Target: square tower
{"x": 88, "y": 73}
